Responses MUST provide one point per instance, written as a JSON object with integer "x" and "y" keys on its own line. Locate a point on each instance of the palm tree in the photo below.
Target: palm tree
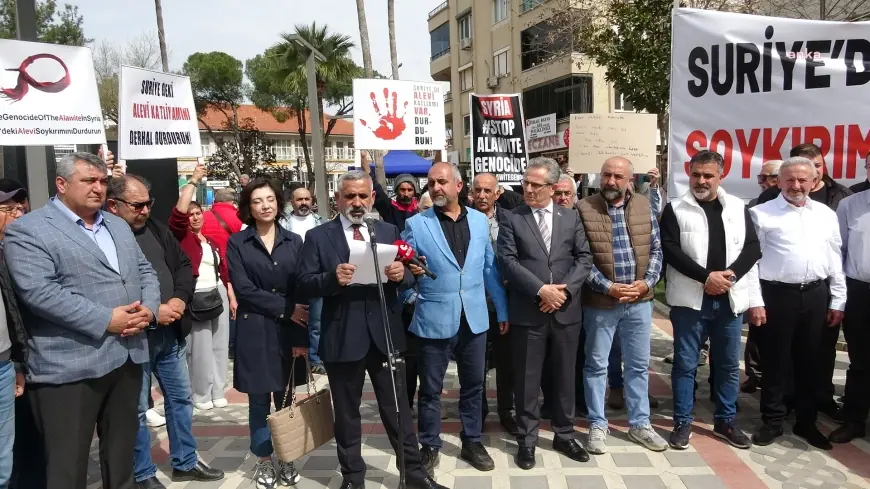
{"x": 364, "y": 38}
{"x": 164, "y": 56}
{"x": 391, "y": 27}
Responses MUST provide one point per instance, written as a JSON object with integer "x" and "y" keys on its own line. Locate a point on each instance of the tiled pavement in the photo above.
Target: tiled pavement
{"x": 707, "y": 464}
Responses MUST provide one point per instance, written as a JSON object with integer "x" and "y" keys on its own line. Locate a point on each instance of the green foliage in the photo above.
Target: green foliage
{"x": 52, "y": 26}
{"x": 217, "y": 81}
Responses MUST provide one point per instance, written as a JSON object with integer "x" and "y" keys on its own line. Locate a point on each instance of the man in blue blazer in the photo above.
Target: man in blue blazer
{"x": 451, "y": 315}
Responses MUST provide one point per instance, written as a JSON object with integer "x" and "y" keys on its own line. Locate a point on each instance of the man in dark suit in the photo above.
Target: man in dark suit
{"x": 545, "y": 260}
{"x": 353, "y": 338}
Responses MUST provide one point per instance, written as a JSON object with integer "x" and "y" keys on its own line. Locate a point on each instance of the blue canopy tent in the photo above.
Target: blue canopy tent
{"x": 397, "y": 162}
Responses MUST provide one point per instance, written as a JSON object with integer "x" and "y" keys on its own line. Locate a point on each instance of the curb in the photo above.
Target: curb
{"x": 665, "y": 310}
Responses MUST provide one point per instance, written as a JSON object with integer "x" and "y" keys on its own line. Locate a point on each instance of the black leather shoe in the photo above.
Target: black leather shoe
{"x": 848, "y": 432}
{"x": 832, "y": 412}
{"x": 525, "y": 458}
{"x": 750, "y": 386}
{"x": 415, "y": 483}
{"x": 766, "y": 434}
{"x": 200, "y": 472}
{"x": 508, "y": 422}
{"x": 810, "y": 433}
{"x": 571, "y": 449}
{"x": 653, "y": 402}
{"x": 476, "y": 456}
{"x": 150, "y": 483}
{"x": 351, "y": 485}
{"x": 430, "y": 459}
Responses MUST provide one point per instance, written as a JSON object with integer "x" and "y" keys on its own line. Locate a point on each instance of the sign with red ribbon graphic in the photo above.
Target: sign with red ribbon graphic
{"x": 48, "y": 95}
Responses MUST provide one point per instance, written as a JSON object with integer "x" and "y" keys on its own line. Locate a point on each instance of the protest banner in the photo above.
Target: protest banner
{"x": 498, "y": 137}
{"x": 48, "y": 95}
{"x": 156, "y": 116}
{"x": 596, "y": 137}
{"x": 398, "y": 114}
{"x": 541, "y": 127}
{"x": 752, "y": 87}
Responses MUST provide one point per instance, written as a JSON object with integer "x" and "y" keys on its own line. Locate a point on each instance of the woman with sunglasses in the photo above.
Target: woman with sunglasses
{"x": 212, "y": 305}
{"x": 271, "y": 323}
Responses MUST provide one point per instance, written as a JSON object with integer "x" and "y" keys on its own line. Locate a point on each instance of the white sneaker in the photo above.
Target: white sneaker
{"x": 287, "y": 473}
{"x": 220, "y": 403}
{"x": 204, "y": 406}
{"x": 264, "y": 475}
{"x": 646, "y": 436}
{"x": 154, "y": 419}
{"x": 597, "y": 442}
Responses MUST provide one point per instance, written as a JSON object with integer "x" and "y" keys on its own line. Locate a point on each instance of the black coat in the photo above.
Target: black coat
{"x": 17, "y": 335}
{"x": 860, "y": 187}
{"x": 836, "y": 193}
{"x": 182, "y": 273}
{"x": 264, "y": 285}
{"x": 388, "y": 212}
{"x": 351, "y": 318}
{"x": 510, "y": 200}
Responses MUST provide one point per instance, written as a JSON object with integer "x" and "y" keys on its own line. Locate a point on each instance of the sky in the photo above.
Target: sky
{"x": 246, "y": 28}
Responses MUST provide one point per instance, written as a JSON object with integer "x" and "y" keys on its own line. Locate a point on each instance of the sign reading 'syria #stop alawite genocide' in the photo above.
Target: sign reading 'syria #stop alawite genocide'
{"x": 48, "y": 95}
{"x": 397, "y": 114}
{"x": 498, "y": 137}
{"x": 156, "y": 116}
{"x": 753, "y": 87}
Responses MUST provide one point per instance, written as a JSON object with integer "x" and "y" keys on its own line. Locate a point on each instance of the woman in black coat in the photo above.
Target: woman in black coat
{"x": 270, "y": 324}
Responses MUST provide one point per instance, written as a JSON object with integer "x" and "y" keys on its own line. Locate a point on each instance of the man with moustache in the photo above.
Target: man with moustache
{"x": 545, "y": 260}
{"x": 623, "y": 235}
{"x": 804, "y": 292}
{"x": 711, "y": 249}
{"x": 451, "y": 316}
{"x": 300, "y": 219}
{"x": 484, "y": 195}
{"x": 353, "y": 339}
{"x": 404, "y": 206}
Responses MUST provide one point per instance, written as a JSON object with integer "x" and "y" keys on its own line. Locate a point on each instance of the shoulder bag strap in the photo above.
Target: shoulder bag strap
{"x": 222, "y": 222}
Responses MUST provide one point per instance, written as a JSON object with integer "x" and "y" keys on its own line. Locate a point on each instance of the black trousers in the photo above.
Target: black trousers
{"x": 751, "y": 355}
{"x": 790, "y": 342}
{"x": 410, "y": 356}
{"x": 579, "y": 388}
{"x": 827, "y": 364}
{"x": 28, "y": 452}
{"x": 346, "y": 381}
{"x": 856, "y": 328}
{"x": 531, "y": 345}
{"x": 66, "y": 415}
{"x": 501, "y": 359}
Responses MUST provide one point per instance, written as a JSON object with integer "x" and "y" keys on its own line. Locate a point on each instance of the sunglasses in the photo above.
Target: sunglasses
{"x": 138, "y": 206}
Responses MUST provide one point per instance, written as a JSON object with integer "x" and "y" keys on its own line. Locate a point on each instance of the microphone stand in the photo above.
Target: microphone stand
{"x": 393, "y": 360}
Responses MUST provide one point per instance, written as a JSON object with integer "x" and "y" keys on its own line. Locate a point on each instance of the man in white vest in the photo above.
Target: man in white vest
{"x": 711, "y": 249}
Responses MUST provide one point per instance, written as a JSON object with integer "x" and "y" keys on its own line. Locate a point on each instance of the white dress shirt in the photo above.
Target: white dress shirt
{"x": 348, "y": 229}
{"x": 854, "y": 216}
{"x": 800, "y": 245}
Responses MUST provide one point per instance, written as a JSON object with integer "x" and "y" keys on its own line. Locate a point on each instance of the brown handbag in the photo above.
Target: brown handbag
{"x": 301, "y": 427}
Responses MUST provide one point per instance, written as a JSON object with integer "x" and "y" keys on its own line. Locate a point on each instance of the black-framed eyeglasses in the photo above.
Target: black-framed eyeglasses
{"x": 138, "y": 206}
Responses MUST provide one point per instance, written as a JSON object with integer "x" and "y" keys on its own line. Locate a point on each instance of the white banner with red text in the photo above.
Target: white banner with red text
{"x": 156, "y": 116}
{"x": 752, "y": 87}
{"x": 398, "y": 114}
{"x": 48, "y": 95}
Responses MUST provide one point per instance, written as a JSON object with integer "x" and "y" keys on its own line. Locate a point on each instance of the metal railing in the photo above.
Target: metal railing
{"x": 529, "y": 4}
{"x": 438, "y": 55}
{"x": 437, "y": 9}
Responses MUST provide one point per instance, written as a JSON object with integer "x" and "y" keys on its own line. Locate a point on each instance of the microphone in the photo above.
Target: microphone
{"x": 369, "y": 220}
{"x": 407, "y": 255}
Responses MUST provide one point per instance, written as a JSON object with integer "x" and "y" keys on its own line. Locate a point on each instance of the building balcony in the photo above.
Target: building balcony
{"x": 438, "y": 16}
{"x": 439, "y": 67}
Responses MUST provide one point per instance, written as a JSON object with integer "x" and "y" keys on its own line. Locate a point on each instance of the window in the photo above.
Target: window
{"x": 465, "y": 27}
{"x": 501, "y": 63}
{"x": 439, "y": 40}
{"x": 283, "y": 150}
{"x": 329, "y": 152}
{"x": 466, "y": 79}
{"x": 466, "y": 125}
{"x": 620, "y": 104}
{"x": 499, "y": 10}
{"x": 64, "y": 149}
{"x": 571, "y": 95}
{"x": 529, "y": 4}
{"x": 339, "y": 150}
{"x": 541, "y": 42}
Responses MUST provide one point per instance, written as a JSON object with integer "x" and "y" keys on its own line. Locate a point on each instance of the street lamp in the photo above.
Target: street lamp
{"x": 315, "y": 56}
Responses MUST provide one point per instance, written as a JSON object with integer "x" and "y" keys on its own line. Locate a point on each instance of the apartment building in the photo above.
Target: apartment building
{"x": 500, "y": 46}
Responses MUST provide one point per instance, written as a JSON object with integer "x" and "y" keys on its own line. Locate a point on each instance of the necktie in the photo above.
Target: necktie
{"x": 542, "y": 226}
{"x": 357, "y": 235}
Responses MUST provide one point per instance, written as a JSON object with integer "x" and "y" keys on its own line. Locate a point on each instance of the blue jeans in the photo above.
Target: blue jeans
{"x": 169, "y": 365}
{"x": 258, "y": 411}
{"x": 690, "y": 328}
{"x": 614, "y": 366}
{"x": 314, "y": 309}
{"x": 469, "y": 351}
{"x": 631, "y": 323}
{"x": 7, "y": 421}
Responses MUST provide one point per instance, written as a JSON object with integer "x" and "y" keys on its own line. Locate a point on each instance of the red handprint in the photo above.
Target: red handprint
{"x": 390, "y": 124}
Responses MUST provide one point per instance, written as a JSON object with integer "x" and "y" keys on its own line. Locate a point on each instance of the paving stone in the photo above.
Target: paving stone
{"x": 316, "y": 483}
{"x": 529, "y": 482}
{"x": 702, "y": 482}
{"x": 573, "y": 464}
{"x": 472, "y": 482}
{"x": 204, "y": 485}
{"x": 379, "y": 443}
{"x": 631, "y": 460}
{"x": 329, "y": 462}
{"x": 227, "y": 464}
{"x": 205, "y": 443}
{"x": 643, "y": 482}
{"x": 685, "y": 459}
{"x": 586, "y": 482}
{"x": 377, "y": 462}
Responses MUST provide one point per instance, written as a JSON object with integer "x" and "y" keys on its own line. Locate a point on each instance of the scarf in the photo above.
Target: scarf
{"x": 412, "y": 207}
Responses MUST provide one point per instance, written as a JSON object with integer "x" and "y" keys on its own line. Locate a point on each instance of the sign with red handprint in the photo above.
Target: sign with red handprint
{"x": 48, "y": 95}
{"x": 397, "y": 114}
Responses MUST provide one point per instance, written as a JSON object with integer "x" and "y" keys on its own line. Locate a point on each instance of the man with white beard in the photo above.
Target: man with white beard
{"x": 804, "y": 291}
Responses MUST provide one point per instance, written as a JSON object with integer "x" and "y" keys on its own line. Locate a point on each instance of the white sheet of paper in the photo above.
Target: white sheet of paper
{"x": 361, "y": 256}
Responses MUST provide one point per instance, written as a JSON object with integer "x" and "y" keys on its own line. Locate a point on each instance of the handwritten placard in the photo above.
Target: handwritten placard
{"x": 596, "y": 137}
